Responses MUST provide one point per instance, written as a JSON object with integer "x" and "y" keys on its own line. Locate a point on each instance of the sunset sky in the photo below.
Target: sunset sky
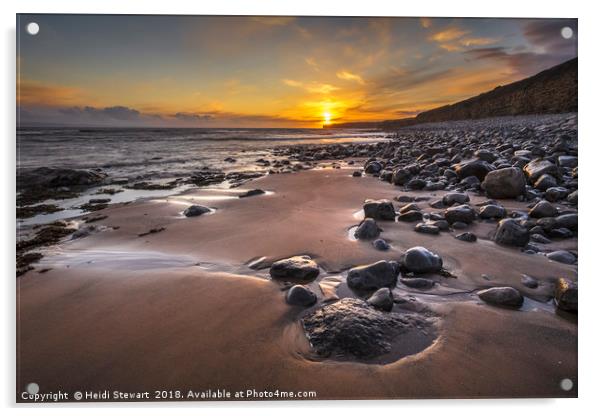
{"x": 195, "y": 71}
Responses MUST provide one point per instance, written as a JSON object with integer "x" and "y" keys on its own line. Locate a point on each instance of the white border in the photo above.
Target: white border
{"x": 591, "y": 201}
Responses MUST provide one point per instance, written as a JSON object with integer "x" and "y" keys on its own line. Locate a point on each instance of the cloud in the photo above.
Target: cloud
{"x": 273, "y": 20}
{"x": 313, "y": 87}
{"x": 477, "y": 41}
{"x": 193, "y": 117}
{"x": 349, "y": 76}
{"x": 29, "y": 92}
{"x": 449, "y": 34}
{"x": 108, "y": 113}
{"x": 312, "y": 63}
{"x": 426, "y": 22}
{"x": 545, "y": 34}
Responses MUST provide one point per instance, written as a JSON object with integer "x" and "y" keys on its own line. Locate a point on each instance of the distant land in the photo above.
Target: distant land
{"x": 551, "y": 91}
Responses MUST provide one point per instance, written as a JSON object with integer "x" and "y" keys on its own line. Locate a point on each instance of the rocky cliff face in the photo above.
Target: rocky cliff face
{"x": 551, "y": 91}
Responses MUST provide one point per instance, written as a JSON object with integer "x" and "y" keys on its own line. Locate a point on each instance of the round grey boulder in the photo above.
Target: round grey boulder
{"x": 381, "y": 244}
{"x": 455, "y": 198}
{"x": 196, "y": 210}
{"x": 382, "y": 299}
{"x": 467, "y": 236}
{"x": 297, "y": 267}
{"x": 504, "y": 183}
{"x": 492, "y": 211}
{"x": 509, "y": 232}
{"x": 505, "y": 296}
{"x": 367, "y": 230}
{"x": 543, "y": 209}
{"x": 420, "y": 260}
{"x": 373, "y": 276}
{"x": 562, "y": 256}
{"x": 300, "y": 296}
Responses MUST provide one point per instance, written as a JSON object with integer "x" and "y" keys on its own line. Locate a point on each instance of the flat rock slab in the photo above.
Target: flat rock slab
{"x": 352, "y": 329}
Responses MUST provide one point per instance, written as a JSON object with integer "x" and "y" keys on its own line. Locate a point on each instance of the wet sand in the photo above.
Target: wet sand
{"x": 198, "y": 317}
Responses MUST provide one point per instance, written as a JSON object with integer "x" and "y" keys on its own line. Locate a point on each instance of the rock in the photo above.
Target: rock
{"x": 539, "y": 167}
{"x": 478, "y": 168}
{"x": 300, "y": 296}
{"x": 455, "y": 198}
{"x": 572, "y": 198}
{"x": 426, "y": 228}
{"x": 356, "y": 174}
{"x": 381, "y": 244}
{"x": 373, "y": 276}
{"x": 381, "y": 209}
{"x": 510, "y": 232}
{"x": 367, "y": 230}
{"x": 416, "y": 184}
{"x": 567, "y": 161}
{"x": 486, "y": 155}
{"x": 401, "y": 176}
{"x": 297, "y": 267}
{"x": 441, "y": 224}
{"x": 545, "y": 181}
{"x": 417, "y": 282}
{"x": 504, "y": 183}
{"x": 252, "y": 192}
{"x": 529, "y": 281}
{"x": 351, "y": 327}
{"x": 492, "y": 211}
{"x": 420, "y": 260}
{"x": 463, "y": 213}
{"x": 541, "y": 239}
{"x": 562, "y": 256}
{"x": 409, "y": 207}
{"x": 58, "y": 177}
{"x": 565, "y": 295}
{"x": 459, "y": 225}
{"x": 382, "y": 299}
{"x": 373, "y": 167}
{"x": 569, "y": 221}
{"x": 471, "y": 182}
{"x": 505, "y": 296}
{"x": 543, "y": 209}
{"x": 555, "y": 193}
{"x": 196, "y": 210}
{"x": 410, "y": 216}
{"x": 468, "y": 237}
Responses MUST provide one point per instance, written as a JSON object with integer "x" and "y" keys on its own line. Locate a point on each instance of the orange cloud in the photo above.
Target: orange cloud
{"x": 36, "y": 93}
{"x": 449, "y": 34}
{"x": 349, "y": 76}
{"x": 313, "y": 87}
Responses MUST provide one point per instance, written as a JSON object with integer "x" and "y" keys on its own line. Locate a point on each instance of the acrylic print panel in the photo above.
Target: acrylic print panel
{"x": 299, "y": 208}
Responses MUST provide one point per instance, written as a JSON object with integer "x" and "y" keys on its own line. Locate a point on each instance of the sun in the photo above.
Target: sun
{"x": 326, "y": 117}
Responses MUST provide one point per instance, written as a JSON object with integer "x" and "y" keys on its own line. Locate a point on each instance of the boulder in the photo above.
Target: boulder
{"x": 492, "y": 211}
{"x": 367, "y": 230}
{"x": 478, "y": 168}
{"x": 300, "y": 296}
{"x": 505, "y": 296}
{"x": 382, "y": 299}
{"x": 297, "y": 267}
{"x": 565, "y": 295}
{"x": 373, "y": 167}
{"x": 545, "y": 181}
{"x": 426, "y": 228}
{"x": 539, "y": 167}
{"x": 529, "y": 281}
{"x": 410, "y": 216}
{"x": 567, "y": 161}
{"x": 543, "y": 209}
{"x": 420, "y": 260}
{"x": 510, "y": 232}
{"x": 373, "y": 276}
{"x": 462, "y": 213}
{"x": 504, "y": 183}
{"x": 562, "y": 256}
{"x": 252, "y": 192}
{"x": 455, "y": 198}
{"x": 401, "y": 176}
{"x": 196, "y": 210}
{"x": 381, "y": 244}
{"x": 381, "y": 209}
{"x": 351, "y": 328}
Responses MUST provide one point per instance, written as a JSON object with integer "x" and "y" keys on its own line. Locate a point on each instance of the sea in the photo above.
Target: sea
{"x": 156, "y": 154}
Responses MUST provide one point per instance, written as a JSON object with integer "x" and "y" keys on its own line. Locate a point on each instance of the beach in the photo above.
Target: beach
{"x": 137, "y": 296}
